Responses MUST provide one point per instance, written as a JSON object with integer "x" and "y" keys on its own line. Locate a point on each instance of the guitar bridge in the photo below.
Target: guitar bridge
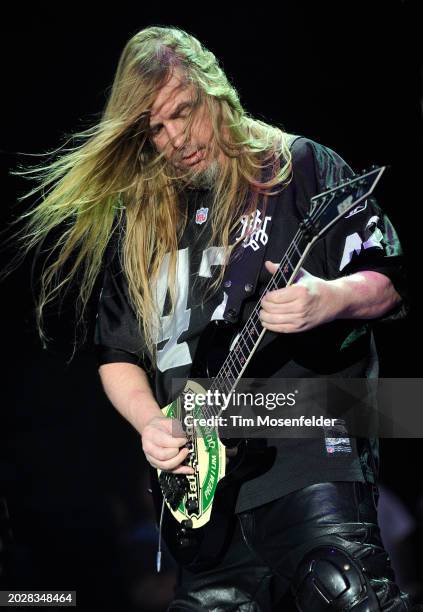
{"x": 174, "y": 487}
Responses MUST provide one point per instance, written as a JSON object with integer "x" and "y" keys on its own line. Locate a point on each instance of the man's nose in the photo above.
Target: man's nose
{"x": 176, "y": 136}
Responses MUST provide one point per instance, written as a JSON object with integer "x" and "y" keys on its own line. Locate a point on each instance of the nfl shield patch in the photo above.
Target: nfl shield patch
{"x": 201, "y": 215}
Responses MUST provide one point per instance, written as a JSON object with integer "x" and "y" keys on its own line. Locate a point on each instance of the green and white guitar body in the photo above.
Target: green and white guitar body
{"x": 208, "y": 458}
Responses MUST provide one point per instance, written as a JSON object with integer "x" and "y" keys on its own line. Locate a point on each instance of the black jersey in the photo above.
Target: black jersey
{"x": 363, "y": 240}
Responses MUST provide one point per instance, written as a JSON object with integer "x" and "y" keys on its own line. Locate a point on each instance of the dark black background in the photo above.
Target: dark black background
{"x": 345, "y": 74}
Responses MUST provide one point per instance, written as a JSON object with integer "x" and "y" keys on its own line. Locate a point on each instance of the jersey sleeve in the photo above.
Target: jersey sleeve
{"x": 365, "y": 238}
{"x": 117, "y": 335}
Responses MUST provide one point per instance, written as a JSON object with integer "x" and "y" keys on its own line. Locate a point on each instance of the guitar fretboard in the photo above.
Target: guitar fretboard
{"x": 251, "y": 334}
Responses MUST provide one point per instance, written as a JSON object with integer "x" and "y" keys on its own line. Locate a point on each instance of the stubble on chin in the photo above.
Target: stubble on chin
{"x": 203, "y": 178}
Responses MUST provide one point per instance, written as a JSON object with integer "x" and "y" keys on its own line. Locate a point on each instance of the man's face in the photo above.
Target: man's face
{"x": 185, "y": 149}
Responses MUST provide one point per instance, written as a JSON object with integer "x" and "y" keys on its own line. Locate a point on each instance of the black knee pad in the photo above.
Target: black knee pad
{"x": 328, "y": 578}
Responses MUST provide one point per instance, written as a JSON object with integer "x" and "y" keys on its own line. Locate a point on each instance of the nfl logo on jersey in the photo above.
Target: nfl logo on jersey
{"x": 201, "y": 215}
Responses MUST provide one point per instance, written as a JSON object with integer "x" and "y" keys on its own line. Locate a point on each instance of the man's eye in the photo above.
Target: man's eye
{"x": 155, "y": 130}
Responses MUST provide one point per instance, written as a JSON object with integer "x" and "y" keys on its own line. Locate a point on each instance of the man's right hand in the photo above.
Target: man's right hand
{"x": 163, "y": 442}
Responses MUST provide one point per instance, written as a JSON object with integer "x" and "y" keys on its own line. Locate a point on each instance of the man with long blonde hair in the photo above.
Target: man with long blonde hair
{"x": 163, "y": 193}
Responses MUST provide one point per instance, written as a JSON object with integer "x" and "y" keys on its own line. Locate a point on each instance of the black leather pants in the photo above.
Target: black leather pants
{"x": 269, "y": 543}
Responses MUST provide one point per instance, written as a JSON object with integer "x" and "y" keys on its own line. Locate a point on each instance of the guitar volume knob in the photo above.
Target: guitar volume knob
{"x": 192, "y": 506}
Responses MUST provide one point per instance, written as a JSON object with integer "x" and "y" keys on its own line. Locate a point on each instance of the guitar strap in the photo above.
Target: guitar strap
{"x": 243, "y": 270}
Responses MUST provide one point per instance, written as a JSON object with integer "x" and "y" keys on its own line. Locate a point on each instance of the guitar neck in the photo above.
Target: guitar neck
{"x": 250, "y": 336}
{"x": 326, "y": 209}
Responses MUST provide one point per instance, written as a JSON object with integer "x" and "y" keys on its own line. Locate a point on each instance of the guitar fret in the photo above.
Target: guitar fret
{"x": 297, "y": 249}
{"x": 223, "y": 386}
{"x": 284, "y": 278}
{"x": 252, "y": 330}
{"x": 243, "y": 344}
{"x": 236, "y": 356}
{"x": 289, "y": 263}
{"x": 231, "y": 363}
{"x": 250, "y": 338}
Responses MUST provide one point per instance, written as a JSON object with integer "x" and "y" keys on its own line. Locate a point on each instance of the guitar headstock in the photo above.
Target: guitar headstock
{"x": 327, "y": 207}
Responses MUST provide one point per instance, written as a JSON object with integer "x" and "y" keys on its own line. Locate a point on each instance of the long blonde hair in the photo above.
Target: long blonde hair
{"x": 113, "y": 174}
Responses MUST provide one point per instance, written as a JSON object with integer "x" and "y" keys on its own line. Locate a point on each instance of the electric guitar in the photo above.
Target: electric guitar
{"x": 195, "y": 512}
